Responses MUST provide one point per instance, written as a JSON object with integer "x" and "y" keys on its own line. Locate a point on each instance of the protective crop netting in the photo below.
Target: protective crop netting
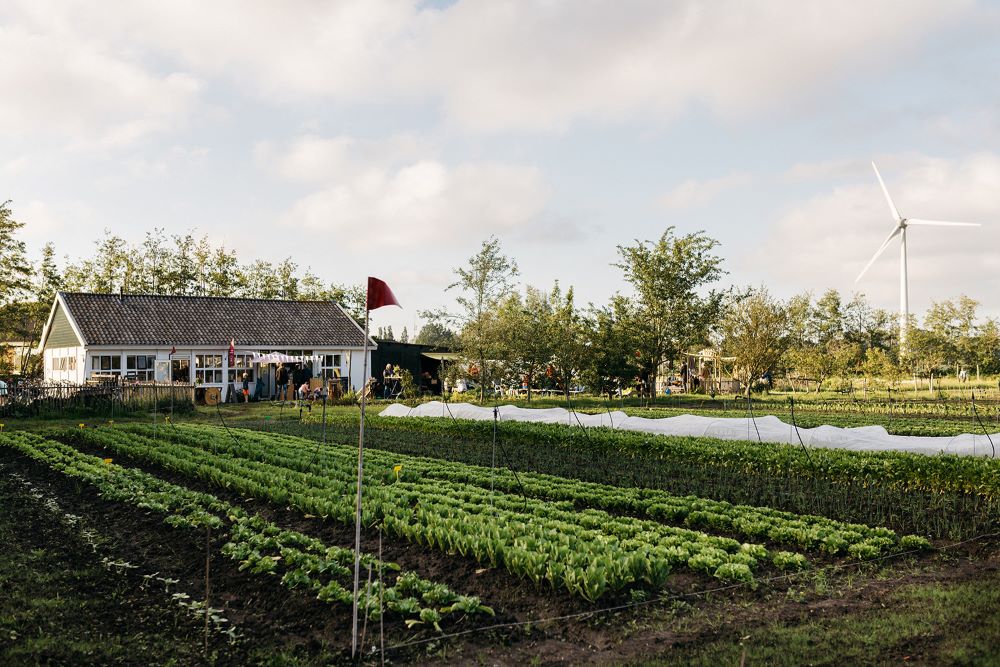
{"x": 771, "y": 429}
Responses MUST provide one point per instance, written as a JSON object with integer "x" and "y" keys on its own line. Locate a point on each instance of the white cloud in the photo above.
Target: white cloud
{"x": 843, "y": 168}
{"x": 693, "y": 192}
{"x": 69, "y": 224}
{"x": 496, "y": 66}
{"x": 375, "y": 194}
{"x": 316, "y": 159}
{"x": 62, "y": 83}
{"x": 545, "y": 65}
{"x": 827, "y": 240}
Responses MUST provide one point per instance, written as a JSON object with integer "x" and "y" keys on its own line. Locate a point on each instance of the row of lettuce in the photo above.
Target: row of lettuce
{"x": 586, "y": 538}
{"x": 938, "y": 496}
{"x": 260, "y": 546}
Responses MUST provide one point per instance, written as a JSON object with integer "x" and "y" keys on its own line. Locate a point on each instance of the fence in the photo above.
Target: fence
{"x": 31, "y": 399}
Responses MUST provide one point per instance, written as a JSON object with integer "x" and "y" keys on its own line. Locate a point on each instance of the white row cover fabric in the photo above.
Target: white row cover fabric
{"x": 772, "y": 429}
{"x": 278, "y": 357}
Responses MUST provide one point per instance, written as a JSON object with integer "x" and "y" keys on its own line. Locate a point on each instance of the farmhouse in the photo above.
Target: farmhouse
{"x": 144, "y": 338}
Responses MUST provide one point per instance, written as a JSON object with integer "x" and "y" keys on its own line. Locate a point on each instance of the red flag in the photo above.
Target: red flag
{"x": 379, "y": 294}
{"x": 173, "y": 349}
{"x": 232, "y": 352}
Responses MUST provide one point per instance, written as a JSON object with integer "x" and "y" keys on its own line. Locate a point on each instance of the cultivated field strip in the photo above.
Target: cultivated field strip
{"x": 260, "y": 546}
{"x": 937, "y": 496}
{"x": 588, "y": 552}
{"x": 801, "y": 531}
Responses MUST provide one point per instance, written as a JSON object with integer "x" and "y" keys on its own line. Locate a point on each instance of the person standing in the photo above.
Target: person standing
{"x": 387, "y": 381}
{"x": 684, "y": 375}
{"x": 281, "y": 381}
{"x": 246, "y": 387}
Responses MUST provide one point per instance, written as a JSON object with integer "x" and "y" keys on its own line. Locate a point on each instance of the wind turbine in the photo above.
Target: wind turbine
{"x": 900, "y": 231}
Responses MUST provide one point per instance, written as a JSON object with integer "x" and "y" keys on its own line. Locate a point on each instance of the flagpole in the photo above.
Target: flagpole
{"x": 357, "y": 517}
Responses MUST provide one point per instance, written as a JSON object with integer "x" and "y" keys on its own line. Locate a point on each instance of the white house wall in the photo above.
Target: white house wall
{"x": 351, "y": 366}
{"x": 51, "y": 374}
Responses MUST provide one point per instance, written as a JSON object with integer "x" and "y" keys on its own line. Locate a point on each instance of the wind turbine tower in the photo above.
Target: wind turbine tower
{"x": 900, "y": 230}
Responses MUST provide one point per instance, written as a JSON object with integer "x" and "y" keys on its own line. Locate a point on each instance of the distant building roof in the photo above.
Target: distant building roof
{"x": 155, "y": 320}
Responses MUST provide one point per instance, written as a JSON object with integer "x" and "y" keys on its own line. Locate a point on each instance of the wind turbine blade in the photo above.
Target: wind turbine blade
{"x": 881, "y": 249}
{"x": 892, "y": 207}
{"x": 940, "y": 223}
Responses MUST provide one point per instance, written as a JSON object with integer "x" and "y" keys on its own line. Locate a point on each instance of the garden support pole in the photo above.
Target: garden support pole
{"x": 357, "y": 515}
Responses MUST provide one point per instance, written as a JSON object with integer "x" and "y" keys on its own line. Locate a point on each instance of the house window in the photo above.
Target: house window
{"x": 242, "y": 365}
{"x": 141, "y": 366}
{"x": 180, "y": 370}
{"x": 208, "y": 368}
{"x": 106, "y": 364}
{"x": 71, "y": 363}
{"x": 330, "y": 366}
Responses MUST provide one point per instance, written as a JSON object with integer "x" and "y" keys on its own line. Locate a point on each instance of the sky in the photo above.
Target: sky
{"x": 390, "y": 138}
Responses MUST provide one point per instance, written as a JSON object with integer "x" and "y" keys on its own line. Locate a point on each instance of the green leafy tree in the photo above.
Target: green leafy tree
{"x": 755, "y": 332}
{"x": 669, "y": 277}
{"x": 521, "y": 328}
{"x": 436, "y": 333}
{"x": 610, "y": 341}
{"x": 987, "y": 347}
{"x": 567, "y": 335}
{"x": 223, "y": 276}
{"x": 48, "y": 278}
{"x": 15, "y": 271}
{"x": 879, "y": 367}
{"x": 828, "y": 319}
{"x": 483, "y": 282}
{"x": 952, "y": 323}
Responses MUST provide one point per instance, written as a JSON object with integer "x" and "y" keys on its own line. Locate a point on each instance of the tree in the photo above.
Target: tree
{"x": 15, "y": 271}
{"x": 258, "y": 280}
{"x": 988, "y": 347}
{"x": 755, "y": 331}
{"x": 567, "y": 336}
{"x": 223, "y": 275}
{"x": 828, "y": 318}
{"x": 288, "y": 282}
{"x": 668, "y": 276}
{"x": 609, "y": 357}
{"x": 953, "y": 325}
{"x": 48, "y": 278}
{"x": 404, "y": 336}
{"x": 520, "y": 329}
{"x": 485, "y": 280}
{"x": 878, "y": 365}
{"x": 927, "y": 351}
{"x": 436, "y": 333}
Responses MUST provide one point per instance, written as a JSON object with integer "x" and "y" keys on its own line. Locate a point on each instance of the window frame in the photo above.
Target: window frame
{"x": 206, "y": 372}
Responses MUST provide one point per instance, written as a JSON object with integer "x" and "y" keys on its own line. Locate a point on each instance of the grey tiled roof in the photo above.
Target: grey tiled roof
{"x": 141, "y": 319}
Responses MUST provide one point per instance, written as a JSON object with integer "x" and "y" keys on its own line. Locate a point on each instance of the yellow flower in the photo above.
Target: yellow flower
{"x": 83, "y": 426}
{"x": 396, "y": 470}
{"x": 1, "y": 427}
{"x": 107, "y": 462}
{"x": 111, "y": 422}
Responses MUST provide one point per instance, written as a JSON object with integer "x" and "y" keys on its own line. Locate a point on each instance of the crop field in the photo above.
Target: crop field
{"x": 483, "y": 543}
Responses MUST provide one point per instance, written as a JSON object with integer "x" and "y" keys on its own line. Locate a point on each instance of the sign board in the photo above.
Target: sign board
{"x": 162, "y": 373}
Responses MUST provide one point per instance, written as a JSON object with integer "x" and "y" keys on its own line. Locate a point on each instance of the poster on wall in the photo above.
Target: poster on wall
{"x": 162, "y": 371}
